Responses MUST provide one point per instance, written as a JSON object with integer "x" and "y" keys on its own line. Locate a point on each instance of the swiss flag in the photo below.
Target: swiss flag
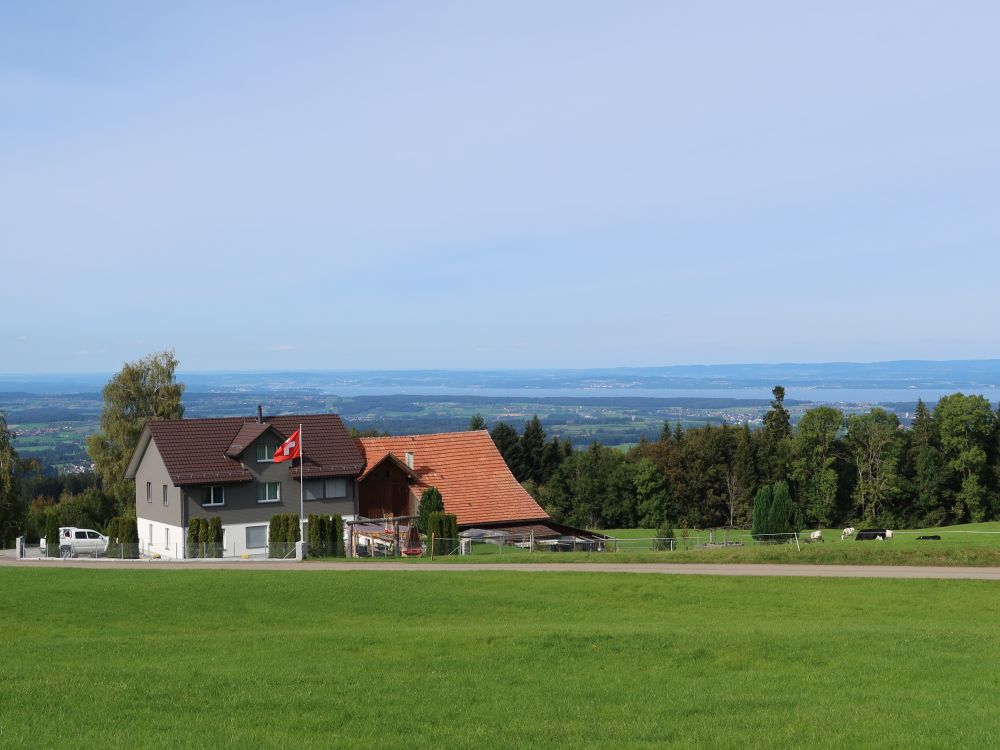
{"x": 288, "y": 449}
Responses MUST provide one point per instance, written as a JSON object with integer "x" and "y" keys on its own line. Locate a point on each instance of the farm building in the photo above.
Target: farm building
{"x": 471, "y": 475}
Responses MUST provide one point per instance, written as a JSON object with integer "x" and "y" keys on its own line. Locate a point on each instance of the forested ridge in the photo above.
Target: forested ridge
{"x": 862, "y": 469}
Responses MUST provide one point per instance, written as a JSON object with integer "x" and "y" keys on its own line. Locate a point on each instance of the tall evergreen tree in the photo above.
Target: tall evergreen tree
{"x": 773, "y": 453}
{"x": 508, "y": 442}
{"x": 11, "y": 511}
{"x": 430, "y": 502}
{"x": 927, "y": 467}
{"x": 532, "y": 451}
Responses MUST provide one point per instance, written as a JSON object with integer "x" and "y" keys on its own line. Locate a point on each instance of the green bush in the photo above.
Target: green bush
{"x": 320, "y": 536}
{"x": 275, "y": 528}
{"x": 430, "y": 502}
{"x": 773, "y": 513}
{"x": 664, "y": 535}
{"x": 215, "y": 536}
{"x": 194, "y": 537}
{"x": 283, "y": 533}
{"x": 51, "y": 533}
{"x": 444, "y": 527}
{"x": 337, "y": 536}
{"x": 123, "y": 537}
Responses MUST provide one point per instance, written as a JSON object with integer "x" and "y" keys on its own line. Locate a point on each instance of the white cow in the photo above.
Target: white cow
{"x": 888, "y": 533}
{"x": 849, "y": 531}
{"x": 816, "y": 536}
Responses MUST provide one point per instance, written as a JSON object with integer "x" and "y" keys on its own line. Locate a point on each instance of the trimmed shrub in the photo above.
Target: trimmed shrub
{"x": 51, "y": 533}
{"x": 444, "y": 527}
{"x": 123, "y": 537}
{"x": 275, "y": 527}
{"x": 430, "y": 502}
{"x": 283, "y": 533}
{"x": 215, "y": 536}
{"x": 337, "y": 535}
{"x": 194, "y": 537}
{"x": 320, "y": 536}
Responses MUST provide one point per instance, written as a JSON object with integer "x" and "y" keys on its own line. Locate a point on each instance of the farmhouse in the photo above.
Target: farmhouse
{"x": 200, "y": 468}
{"x": 471, "y": 475}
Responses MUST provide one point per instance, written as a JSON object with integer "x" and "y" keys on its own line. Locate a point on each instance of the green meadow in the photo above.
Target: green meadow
{"x": 348, "y": 659}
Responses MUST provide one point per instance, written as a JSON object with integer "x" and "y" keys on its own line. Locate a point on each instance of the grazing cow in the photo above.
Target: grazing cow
{"x": 816, "y": 536}
{"x": 849, "y": 531}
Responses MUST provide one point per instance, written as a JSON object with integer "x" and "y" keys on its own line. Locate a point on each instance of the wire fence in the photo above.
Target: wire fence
{"x": 502, "y": 544}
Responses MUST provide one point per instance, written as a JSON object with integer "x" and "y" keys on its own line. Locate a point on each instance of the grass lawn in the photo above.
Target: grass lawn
{"x": 325, "y": 659}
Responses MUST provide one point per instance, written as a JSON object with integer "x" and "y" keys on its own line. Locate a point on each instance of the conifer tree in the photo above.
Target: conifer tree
{"x": 10, "y": 487}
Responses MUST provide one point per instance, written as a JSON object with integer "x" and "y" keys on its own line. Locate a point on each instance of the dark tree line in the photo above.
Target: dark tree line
{"x": 840, "y": 470}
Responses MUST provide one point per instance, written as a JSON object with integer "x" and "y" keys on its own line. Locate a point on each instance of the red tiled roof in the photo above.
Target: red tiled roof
{"x": 195, "y": 451}
{"x": 466, "y": 468}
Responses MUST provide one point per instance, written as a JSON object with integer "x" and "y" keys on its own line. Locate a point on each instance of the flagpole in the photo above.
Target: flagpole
{"x": 302, "y": 488}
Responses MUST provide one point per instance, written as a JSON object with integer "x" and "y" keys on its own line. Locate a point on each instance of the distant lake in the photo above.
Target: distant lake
{"x": 823, "y": 395}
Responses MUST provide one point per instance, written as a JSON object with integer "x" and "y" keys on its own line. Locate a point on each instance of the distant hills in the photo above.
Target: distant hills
{"x": 949, "y": 375}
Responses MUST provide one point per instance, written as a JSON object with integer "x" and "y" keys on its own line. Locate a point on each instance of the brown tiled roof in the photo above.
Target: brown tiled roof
{"x": 467, "y": 469}
{"x": 195, "y": 451}
{"x": 249, "y": 432}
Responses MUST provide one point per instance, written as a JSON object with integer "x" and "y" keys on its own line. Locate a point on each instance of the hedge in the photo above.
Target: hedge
{"x": 444, "y": 527}
{"x": 123, "y": 537}
{"x": 51, "y": 533}
{"x": 282, "y": 534}
{"x": 326, "y": 536}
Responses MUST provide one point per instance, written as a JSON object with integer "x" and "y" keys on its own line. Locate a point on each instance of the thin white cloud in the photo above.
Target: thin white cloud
{"x": 282, "y": 348}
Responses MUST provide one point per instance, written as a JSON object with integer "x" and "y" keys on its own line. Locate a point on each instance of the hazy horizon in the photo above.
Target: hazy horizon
{"x": 626, "y": 367}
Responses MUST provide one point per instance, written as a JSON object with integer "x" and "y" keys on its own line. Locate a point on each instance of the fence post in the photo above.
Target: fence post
{"x": 432, "y": 545}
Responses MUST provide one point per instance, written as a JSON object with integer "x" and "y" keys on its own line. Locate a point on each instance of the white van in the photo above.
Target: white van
{"x": 74, "y": 542}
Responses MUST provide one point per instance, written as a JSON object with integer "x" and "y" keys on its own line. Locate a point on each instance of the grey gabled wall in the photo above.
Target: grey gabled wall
{"x": 152, "y": 469}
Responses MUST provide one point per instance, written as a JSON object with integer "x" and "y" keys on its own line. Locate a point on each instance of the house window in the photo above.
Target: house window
{"x": 256, "y": 537}
{"x": 149, "y": 492}
{"x": 265, "y": 452}
{"x": 166, "y": 538}
{"x": 150, "y": 537}
{"x": 164, "y": 494}
{"x": 215, "y": 495}
{"x": 268, "y": 492}
{"x": 336, "y": 488}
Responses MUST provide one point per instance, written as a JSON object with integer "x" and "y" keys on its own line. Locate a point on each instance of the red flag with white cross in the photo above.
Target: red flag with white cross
{"x": 289, "y": 449}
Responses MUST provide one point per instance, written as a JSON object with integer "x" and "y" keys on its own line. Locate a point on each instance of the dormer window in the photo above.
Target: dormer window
{"x": 265, "y": 452}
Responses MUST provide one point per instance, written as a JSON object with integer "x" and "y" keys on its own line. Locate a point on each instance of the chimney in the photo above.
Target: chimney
{"x": 260, "y": 414}
{"x": 409, "y": 460}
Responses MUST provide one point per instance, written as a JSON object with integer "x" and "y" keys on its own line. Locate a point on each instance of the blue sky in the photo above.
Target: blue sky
{"x": 470, "y": 185}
